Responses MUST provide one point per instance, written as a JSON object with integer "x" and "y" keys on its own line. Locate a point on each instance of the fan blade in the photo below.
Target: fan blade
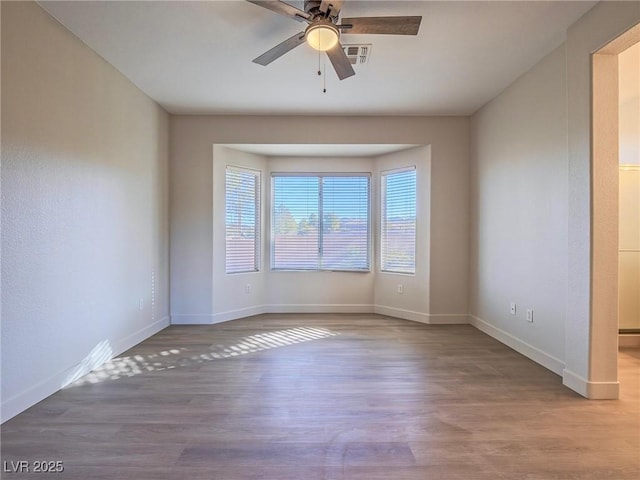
{"x": 282, "y": 8}
{"x": 340, "y": 62}
{"x": 335, "y": 5}
{"x": 381, "y": 25}
{"x": 279, "y": 50}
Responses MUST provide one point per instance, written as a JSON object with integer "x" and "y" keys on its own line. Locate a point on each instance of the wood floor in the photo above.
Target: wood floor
{"x": 331, "y": 397}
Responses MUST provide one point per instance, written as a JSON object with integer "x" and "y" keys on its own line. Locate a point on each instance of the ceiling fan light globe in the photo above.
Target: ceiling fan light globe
{"x": 322, "y": 37}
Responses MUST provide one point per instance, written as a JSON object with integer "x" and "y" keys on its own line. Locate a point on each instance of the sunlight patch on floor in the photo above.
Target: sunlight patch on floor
{"x": 100, "y": 354}
{"x": 129, "y": 366}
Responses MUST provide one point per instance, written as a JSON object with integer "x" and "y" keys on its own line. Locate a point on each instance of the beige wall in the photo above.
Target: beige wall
{"x": 519, "y": 213}
{"x": 84, "y": 209}
{"x": 192, "y": 193}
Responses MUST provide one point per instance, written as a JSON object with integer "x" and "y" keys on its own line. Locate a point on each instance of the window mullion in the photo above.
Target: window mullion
{"x": 320, "y": 222}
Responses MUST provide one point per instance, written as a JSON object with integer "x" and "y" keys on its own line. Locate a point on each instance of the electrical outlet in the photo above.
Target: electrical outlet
{"x": 513, "y": 308}
{"x": 247, "y": 288}
{"x": 141, "y": 304}
{"x": 530, "y": 315}
{"x": 400, "y": 288}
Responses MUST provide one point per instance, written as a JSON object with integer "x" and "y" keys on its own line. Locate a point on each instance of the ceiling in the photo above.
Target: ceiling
{"x": 195, "y": 57}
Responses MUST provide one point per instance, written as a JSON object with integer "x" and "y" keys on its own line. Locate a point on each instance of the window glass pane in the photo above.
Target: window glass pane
{"x": 295, "y": 223}
{"x": 345, "y": 240}
{"x": 320, "y": 222}
{"x": 398, "y": 222}
{"x": 242, "y": 220}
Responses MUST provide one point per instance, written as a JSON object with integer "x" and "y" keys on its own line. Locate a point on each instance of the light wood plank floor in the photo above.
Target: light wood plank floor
{"x": 331, "y": 397}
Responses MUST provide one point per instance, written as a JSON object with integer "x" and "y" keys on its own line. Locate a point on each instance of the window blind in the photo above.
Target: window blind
{"x": 398, "y": 221}
{"x": 320, "y": 222}
{"x": 242, "y": 204}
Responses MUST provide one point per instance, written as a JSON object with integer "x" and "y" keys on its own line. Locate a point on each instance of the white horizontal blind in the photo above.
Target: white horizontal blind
{"x": 398, "y": 221}
{"x": 242, "y": 220}
{"x": 321, "y": 222}
{"x": 295, "y": 223}
{"x": 345, "y": 227}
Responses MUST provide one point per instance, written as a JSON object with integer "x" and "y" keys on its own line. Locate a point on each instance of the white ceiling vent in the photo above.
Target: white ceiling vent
{"x": 357, "y": 54}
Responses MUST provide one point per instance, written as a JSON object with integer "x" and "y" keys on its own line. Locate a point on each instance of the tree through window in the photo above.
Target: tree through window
{"x": 320, "y": 222}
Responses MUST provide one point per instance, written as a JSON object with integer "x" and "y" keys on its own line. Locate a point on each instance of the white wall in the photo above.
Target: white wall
{"x": 192, "y": 211}
{"x": 84, "y": 209}
{"x": 519, "y": 213}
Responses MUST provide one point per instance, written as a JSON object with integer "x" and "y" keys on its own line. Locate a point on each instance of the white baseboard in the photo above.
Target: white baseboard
{"x": 191, "y": 319}
{"x": 22, "y": 401}
{"x": 590, "y": 390}
{"x": 428, "y": 318}
{"x": 135, "y": 338}
{"x": 546, "y": 360}
{"x": 235, "y": 314}
{"x": 586, "y": 388}
{"x": 318, "y": 308}
{"x": 448, "y": 319}
{"x": 401, "y": 313}
{"x": 210, "y": 319}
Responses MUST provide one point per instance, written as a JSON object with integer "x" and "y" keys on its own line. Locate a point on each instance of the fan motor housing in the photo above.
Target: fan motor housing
{"x": 312, "y": 6}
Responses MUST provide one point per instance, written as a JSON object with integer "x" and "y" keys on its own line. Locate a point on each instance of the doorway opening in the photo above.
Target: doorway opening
{"x": 615, "y": 204}
{"x": 629, "y": 196}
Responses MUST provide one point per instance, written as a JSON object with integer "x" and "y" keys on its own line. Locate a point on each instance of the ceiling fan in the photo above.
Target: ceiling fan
{"x": 323, "y": 31}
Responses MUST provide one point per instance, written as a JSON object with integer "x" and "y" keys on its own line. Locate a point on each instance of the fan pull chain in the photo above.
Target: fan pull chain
{"x": 324, "y": 78}
{"x": 322, "y": 67}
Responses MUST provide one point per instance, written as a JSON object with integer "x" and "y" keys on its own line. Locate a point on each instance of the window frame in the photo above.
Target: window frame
{"x": 257, "y": 175}
{"x": 320, "y": 175}
{"x": 382, "y": 219}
